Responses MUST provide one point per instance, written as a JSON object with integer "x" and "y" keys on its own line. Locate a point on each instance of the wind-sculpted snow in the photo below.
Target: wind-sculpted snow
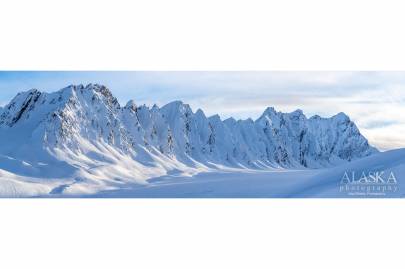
{"x": 287, "y": 183}
{"x": 83, "y": 139}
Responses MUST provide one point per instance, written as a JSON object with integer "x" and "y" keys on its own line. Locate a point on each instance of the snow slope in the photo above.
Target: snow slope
{"x": 327, "y": 183}
{"x": 280, "y": 183}
{"x": 79, "y": 140}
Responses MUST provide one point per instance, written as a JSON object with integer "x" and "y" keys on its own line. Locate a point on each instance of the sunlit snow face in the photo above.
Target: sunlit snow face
{"x": 374, "y": 100}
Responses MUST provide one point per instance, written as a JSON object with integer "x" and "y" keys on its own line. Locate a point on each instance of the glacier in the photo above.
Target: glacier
{"x": 281, "y": 183}
{"x": 81, "y": 141}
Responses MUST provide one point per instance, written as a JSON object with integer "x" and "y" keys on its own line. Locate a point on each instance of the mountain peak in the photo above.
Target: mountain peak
{"x": 19, "y": 106}
{"x": 297, "y": 115}
{"x": 341, "y": 117}
{"x": 155, "y": 108}
{"x": 99, "y": 88}
{"x": 200, "y": 113}
{"x": 177, "y": 104}
{"x": 297, "y": 112}
{"x": 90, "y": 87}
{"x": 270, "y": 110}
{"x": 316, "y": 117}
{"x": 131, "y": 105}
{"x": 173, "y": 108}
{"x": 21, "y": 96}
{"x": 230, "y": 119}
{"x": 215, "y": 117}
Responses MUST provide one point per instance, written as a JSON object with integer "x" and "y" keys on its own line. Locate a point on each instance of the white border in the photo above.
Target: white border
{"x": 201, "y": 233}
{"x": 201, "y": 35}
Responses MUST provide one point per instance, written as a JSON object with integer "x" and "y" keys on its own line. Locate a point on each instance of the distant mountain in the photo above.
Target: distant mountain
{"x": 83, "y": 133}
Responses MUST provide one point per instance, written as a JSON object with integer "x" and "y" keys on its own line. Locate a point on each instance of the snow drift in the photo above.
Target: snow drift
{"x": 327, "y": 182}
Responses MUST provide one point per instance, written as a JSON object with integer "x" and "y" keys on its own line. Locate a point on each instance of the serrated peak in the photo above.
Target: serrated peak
{"x": 131, "y": 105}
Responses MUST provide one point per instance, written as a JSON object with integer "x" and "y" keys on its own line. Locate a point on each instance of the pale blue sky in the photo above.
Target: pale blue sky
{"x": 374, "y": 100}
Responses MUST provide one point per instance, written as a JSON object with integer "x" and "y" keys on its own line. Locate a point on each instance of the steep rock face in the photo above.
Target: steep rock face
{"x": 313, "y": 142}
{"x": 89, "y": 113}
{"x": 340, "y": 137}
{"x": 78, "y": 119}
{"x": 190, "y": 131}
{"x": 67, "y": 116}
{"x": 153, "y": 130}
{"x": 19, "y": 108}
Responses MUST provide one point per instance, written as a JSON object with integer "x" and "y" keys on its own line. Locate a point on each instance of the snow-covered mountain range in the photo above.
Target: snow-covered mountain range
{"x": 80, "y": 139}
